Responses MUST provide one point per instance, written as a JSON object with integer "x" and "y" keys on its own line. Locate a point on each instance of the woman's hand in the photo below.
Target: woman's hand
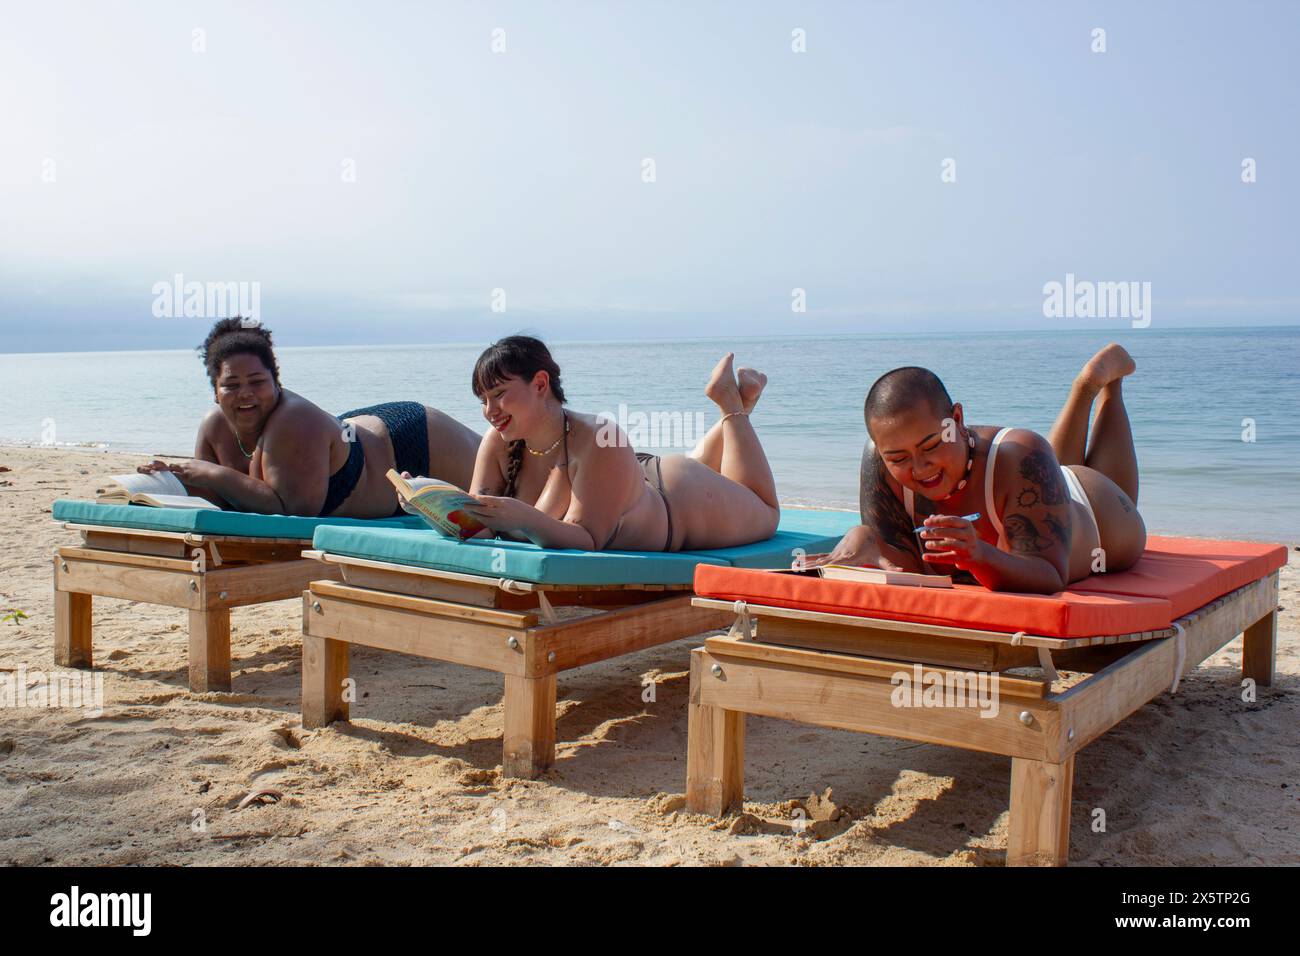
{"x": 153, "y": 467}
{"x": 192, "y": 472}
{"x": 858, "y": 547}
{"x": 502, "y": 514}
{"x": 952, "y": 540}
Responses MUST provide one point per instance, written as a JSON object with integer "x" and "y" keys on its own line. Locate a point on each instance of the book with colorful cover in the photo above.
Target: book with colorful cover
{"x": 438, "y": 504}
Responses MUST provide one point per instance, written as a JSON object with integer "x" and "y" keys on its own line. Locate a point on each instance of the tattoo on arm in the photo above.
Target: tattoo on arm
{"x": 1059, "y": 531}
{"x": 1023, "y": 535}
{"x": 1037, "y": 468}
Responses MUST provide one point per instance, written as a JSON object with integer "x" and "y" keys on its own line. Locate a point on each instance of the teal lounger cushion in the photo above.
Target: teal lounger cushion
{"x": 201, "y": 521}
{"x": 811, "y": 531}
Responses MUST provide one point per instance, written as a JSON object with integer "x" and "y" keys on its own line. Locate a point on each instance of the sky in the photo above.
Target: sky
{"x": 454, "y": 171}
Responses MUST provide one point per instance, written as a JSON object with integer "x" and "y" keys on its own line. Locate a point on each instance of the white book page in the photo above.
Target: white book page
{"x": 159, "y": 483}
{"x": 182, "y": 501}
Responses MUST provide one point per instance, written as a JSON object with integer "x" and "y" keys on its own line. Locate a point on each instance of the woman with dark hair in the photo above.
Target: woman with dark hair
{"x": 268, "y": 450}
{"x": 1050, "y": 510}
{"x": 565, "y": 479}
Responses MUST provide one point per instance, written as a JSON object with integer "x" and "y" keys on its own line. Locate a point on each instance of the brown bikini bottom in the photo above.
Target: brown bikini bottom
{"x": 651, "y": 464}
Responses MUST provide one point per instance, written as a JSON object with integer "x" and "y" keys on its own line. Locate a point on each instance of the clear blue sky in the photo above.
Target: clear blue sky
{"x": 522, "y": 170}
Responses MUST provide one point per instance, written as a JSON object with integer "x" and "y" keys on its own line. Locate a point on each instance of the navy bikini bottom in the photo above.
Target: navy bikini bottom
{"x": 409, "y": 432}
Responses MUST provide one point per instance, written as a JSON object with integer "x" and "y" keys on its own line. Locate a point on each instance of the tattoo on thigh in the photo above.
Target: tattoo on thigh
{"x": 1023, "y": 535}
{"x": 1038, "y": 468}
{"x": 1059, "y": 531}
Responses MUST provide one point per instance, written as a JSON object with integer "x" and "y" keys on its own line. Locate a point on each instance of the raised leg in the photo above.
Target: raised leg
{"x": 1258, "y": 649}
{"x": 324, "y": 669}
{"x": 210, "y": 650}
{"x": 1040, "y": 812}
{"x": 708, "y": 450}
{"x": 72, "y": 629}
{"x": 1110, "y": 449}
{"x": 529, "y": 746}
{"x": 715, "y": 752}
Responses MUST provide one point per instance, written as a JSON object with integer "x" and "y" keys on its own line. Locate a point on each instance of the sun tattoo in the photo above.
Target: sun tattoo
{"x": 1027, "y": 498}
{"x": 1037, "y": 468}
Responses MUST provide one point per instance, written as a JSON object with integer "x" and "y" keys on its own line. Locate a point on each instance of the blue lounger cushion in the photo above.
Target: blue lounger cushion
{"x": 199, "y": 521}
{"x": 523, "y": 561}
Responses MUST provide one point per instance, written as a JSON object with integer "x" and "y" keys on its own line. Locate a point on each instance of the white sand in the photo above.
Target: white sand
{"x": 1199, "y": 778}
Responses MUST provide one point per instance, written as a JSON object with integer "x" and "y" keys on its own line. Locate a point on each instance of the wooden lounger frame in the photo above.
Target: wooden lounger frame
{"x": 801, "y": 669}
{"x": 206, "y": 574}
{"x": 496, "y": 624}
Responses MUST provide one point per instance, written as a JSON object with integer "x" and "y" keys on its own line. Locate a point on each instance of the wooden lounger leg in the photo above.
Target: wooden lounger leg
{"x": 1259, "y": 647}
{"x": 529, "y": 746}
{"x": 1040, "y": 812}
{"x": 715, "y": 752}
{"x": 72, "y": 629}
{"x": 210, "y": 650}
{"x": 324, "y": 669}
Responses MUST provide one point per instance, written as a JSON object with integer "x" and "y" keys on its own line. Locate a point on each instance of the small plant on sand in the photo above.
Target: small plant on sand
{"x": 14, "y": 615}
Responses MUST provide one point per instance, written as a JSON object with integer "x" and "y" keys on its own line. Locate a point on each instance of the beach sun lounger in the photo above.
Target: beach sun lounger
{"x": 206, "y": 562}
{"x": 850, "y": 656}
{"x": 491, "y": 604}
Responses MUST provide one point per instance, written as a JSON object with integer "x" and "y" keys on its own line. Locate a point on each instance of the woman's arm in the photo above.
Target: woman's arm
{"x": 884, "y": 538}
{"x": 1034, "y": 504}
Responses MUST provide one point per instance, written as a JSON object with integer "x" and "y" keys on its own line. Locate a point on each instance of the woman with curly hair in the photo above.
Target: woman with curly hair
{"x": 267, "y": 450}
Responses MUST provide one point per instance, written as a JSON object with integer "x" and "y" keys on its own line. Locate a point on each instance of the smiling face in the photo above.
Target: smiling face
{"x": 517, "y": 408}
{"x": 246, "y": 392}
{"x": 914, "y": 451}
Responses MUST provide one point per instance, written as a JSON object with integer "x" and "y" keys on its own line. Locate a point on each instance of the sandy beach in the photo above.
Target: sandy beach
{"x": 1198, "y": 778}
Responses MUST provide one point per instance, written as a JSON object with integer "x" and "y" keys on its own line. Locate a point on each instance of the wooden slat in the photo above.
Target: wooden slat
{"x": 433, "y": 608}
{"x": 413, "y": 632}
{"x": 795, "y": 657}
{"x": 129, "y": 581}
{"x": 601, "y": 636}
{"x": 188, "y": 537}
{"x": 181, "y": 565}
{"x": 137, "y": 544}
{"x": 852, "y": 700}
{"x": 259, "y": 583}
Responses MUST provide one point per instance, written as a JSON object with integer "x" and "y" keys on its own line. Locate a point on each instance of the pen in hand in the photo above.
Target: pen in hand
{"x": 970, "y": 517}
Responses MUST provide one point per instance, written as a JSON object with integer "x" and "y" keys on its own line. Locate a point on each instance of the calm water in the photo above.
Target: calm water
{"x": 1187, "y": 401}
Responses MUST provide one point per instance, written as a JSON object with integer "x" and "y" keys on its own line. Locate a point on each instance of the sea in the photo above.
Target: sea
{"x": 1215, "y": 411}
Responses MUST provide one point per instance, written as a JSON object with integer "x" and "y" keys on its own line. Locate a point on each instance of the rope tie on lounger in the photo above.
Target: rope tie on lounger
{"x": 511, "y": 586}
{"x": 1180, "y": 641}
{"x": 1045, "y": 662}
{"x": 742, "y": 627}
{"x": 1017, "y": 638}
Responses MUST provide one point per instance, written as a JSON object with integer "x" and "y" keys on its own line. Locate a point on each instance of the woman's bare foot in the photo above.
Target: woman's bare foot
{"x": 1111, "y": 363}
{"x": 751, "y": 383}
{"x": 722, "y": 389}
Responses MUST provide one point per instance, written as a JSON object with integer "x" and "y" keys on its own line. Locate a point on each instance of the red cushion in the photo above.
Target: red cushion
{"x": 1174, "y": 576}
{"x": 1189, "y": 572}
{"x": 1050, "y": 615}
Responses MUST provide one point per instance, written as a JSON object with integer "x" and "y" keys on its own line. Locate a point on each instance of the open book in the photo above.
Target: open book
{"x": 438, "y": 503}
{"x": 162, "y": 489}
{"x": 818, "y": 564}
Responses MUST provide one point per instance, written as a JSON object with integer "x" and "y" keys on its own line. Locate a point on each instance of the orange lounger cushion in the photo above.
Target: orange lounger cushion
{"x": 1065, "y": 614}
{"x": 1189, "y": 572}
{"x": 1175, "y": 576}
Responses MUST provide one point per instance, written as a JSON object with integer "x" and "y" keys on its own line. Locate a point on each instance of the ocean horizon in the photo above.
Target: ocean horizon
{"x": 1215, "y": 411}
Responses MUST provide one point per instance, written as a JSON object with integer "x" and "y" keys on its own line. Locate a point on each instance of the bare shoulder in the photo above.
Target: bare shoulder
{"x": 1029, "y": 458}
{"x": 300, "y": 418}
{"x": 599, "y": 441}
